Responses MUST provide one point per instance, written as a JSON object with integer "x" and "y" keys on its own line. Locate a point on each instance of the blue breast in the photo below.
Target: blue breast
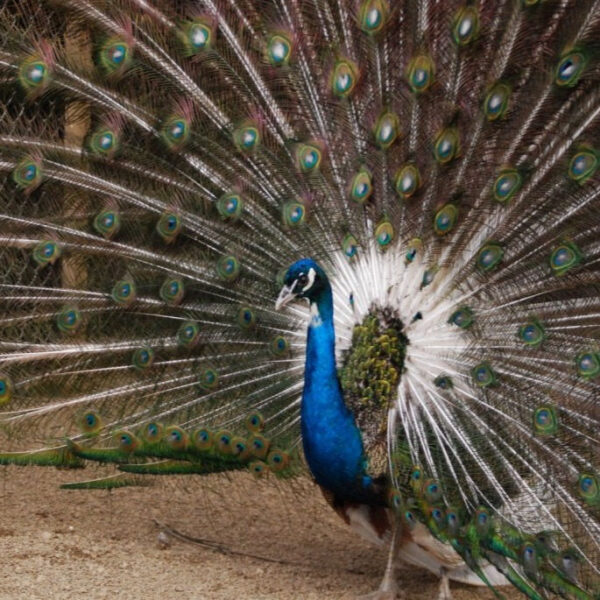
{"x": 332, "y": 442}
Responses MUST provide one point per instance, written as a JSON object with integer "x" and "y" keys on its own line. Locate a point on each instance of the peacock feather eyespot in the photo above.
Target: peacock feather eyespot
{"x": 507, "y": 184}
{"x": 584, "y": 164}
{"x": 443, "y": 382}
{"x": 279, "y": 345}
{"x": 452, "y": 522}
{"x": 240, "y": 449}
{"x": 104, "y": 142}
{"x": 107, "y": 223}
{"x": 6, "y": 389}
{"x": 223, "y": 442}
{"x": 570, "y": 68}
{"x": 344, "y": 77}
{"x": 175, "y": 132}
{"x": 489, "y": 256}
{"x": 420, "y": 73}
{"x": 230, "y": 206}
{"x": 126, "y": 441}
{"x": 496, "y": 101}
{"x": 466, "y": 25}
{"x": 387, "y": 129}
{"x": 90, "y": 422}
{"x": 407, "y": 181}
{"x": 46, "y": 252}
{"x": 484, "y": 376}
{"x": 255, "y": 422}
{"x": 28, "y": 174}
{"x": 445, "y": 219}
{"x": 208, "y": 379}
{"x": 588, "y": 486}
{"x": 462, "y": 317}
{"x": 447, "y": 145}
{"x": 429, "y": 276}
{"x": 279, "y": 49}
{"x": 350, "y": 245}
{"x": 69, "y": 320}
{"x": 258, "y": 468}
{"x": 372, "y": 16}
{"x": 414, "y": 246}
{"x": 176, "y": 438}
{"x": 437, "y": 514}
{"x": 565, "y": 257}
{"x": 530, "y": 558}
{"x": 294, "y": 214}
{"x": 545, "y": 420}
{"x": 410, "y": 519}
{"x": 124, "y": 292}
{"x": 228, "y": 268}
{"x": 247, "y": 136}
{"x": 384, "y": 233}
{"x": 246, "y": 317}
{"x": 203, "y": 439}
{"x": 197, "y": 35}
{"x": 308, "y": 157}
{"x": 259, "y": 445}
{"x": 188, "y": 334}
{"x": 432, "y": 490}
{"x": 483, "y": 522}
{"x": 278, "y": 460}
{"x": 168, "y": 226}
{"x": 394, "y": 499}
{"x": 172, "y": 290}
{"x": 361, "y": 186}
{"x": 588, "y": 364}
{"x": 115, "y": 55}
{"x": 143, "y": 358}
{"x": 416, "y": 476}
{"x": 532, "y": 333}
{"x": 152, "y": 432}
{"x": 34, "y": 73}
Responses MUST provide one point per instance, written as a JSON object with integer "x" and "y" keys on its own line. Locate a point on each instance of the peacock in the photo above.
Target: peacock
{"x": 354, "y": 240}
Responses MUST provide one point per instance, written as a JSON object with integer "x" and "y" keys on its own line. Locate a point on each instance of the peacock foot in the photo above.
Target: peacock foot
{"x": 444, "y": 592}
{"x": 383, "y": 595}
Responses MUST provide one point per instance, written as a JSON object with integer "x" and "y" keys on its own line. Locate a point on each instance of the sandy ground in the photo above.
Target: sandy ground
{"x": 69, "y": 544}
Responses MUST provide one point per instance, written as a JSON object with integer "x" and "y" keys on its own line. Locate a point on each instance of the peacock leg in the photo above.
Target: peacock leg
{"x": 388, "y": 588}
{"x": 444, "y": 593}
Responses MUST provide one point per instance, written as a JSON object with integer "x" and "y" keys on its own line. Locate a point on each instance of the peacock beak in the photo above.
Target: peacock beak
{"x": 285, "y": 295}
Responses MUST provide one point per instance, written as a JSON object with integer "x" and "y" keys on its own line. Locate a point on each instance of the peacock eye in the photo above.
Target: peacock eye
{"x": 302, "y": 280}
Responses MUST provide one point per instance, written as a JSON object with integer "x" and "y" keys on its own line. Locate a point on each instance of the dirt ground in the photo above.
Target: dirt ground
{"x": 73, "y": 543}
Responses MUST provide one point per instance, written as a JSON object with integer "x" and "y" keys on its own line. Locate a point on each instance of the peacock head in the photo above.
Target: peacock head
{"x": 304, "y": 279}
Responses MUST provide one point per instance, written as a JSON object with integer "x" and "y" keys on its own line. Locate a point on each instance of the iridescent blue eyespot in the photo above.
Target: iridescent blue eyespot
{"x": 532, "y": 333}
{"x": 588, "y": 364}
{"x": 570, "y": 68}
{"x": 584, "y": 164}
{"x": 447, "y": 145}
{"x": 384, "y": 234}
{"x": 483, "y": 375}
{"x": 565, "y": 257}
{"x": 545, "y": 420}
{"x": 463, "y": 317}
{"x": 466, "y": 25}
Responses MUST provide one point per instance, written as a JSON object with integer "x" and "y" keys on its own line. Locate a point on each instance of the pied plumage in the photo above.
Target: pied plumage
{"x": 166, "y": 163}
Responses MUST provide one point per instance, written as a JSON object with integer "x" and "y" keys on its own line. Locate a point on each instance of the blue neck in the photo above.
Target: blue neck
{"x": 332, "y": 442}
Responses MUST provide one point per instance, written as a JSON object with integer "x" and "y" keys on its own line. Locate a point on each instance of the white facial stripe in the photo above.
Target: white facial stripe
{"x": 311, "y": 279}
